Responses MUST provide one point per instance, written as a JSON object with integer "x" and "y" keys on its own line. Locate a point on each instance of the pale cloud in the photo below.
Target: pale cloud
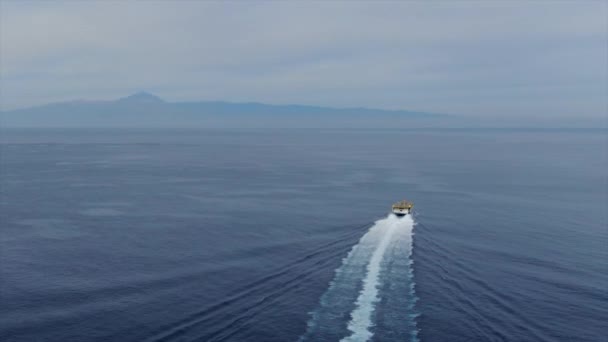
{"x": 473, "y": 58}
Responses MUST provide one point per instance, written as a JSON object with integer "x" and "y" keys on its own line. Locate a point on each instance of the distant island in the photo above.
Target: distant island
{"x": 147, "y": 110}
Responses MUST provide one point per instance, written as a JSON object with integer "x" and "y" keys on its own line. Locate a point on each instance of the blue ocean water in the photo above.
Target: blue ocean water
{"x": 284, "y": 235}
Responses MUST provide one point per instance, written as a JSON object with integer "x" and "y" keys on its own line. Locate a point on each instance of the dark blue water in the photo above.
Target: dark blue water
{"x": 284, "y": 235}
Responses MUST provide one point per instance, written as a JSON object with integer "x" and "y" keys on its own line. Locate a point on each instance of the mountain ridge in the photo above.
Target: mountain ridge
{"x": 146, "y": 109}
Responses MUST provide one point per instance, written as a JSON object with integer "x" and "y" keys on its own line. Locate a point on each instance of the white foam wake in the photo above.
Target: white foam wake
{"x": 361, "y": 317}
{"x": 381, "y": 257}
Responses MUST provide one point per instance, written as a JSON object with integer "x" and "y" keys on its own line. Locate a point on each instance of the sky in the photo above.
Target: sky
{"x": 492, "y": 59}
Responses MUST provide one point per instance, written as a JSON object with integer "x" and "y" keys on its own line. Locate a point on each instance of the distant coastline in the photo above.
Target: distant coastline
{"x": 145, "y": 110}
{"x": 148, "y": 110}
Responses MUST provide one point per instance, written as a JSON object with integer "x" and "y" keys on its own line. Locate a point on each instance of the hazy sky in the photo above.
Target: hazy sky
{"x": 490, "y": 58}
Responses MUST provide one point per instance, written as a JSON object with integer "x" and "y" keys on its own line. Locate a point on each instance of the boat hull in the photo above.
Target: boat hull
{"x": 401, "y": 212}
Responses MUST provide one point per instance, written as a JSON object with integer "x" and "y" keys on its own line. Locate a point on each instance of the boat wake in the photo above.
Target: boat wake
{"x": 372, "y": 293}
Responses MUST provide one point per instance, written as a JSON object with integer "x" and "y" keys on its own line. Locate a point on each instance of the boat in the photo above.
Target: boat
{"x": 402, "y": 208}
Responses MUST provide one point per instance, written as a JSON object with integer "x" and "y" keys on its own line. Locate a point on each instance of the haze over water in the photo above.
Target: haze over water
{"x": 224, "y": 171}
{"x": 279, "y": 235}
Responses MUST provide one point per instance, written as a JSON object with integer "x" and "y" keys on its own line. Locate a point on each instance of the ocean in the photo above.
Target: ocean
{"x": 284, "y": 235}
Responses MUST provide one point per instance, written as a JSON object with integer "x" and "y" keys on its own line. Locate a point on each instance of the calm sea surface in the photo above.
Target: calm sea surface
{"x": 283, "y": 235}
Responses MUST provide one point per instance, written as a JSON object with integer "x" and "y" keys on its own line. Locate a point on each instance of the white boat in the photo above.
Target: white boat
{"x": 402, "y": 208}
